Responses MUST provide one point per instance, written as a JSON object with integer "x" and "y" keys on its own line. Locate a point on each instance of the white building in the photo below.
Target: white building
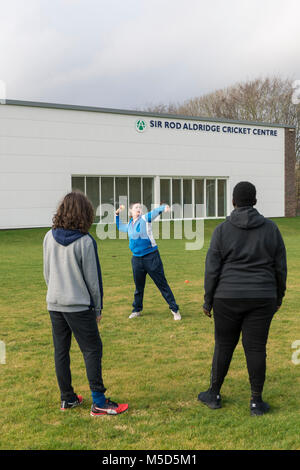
{"x": 48, "y": 149}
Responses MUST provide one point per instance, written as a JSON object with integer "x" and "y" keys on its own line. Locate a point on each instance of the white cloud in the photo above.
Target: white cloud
{"x": 125, "y": 54}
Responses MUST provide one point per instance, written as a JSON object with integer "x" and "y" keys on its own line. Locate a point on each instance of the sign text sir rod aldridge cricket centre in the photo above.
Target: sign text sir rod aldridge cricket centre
{"x": 225, "y": 129}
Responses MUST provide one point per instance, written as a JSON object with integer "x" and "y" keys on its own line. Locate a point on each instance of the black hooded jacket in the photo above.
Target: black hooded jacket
{"x": 246, "y": 259}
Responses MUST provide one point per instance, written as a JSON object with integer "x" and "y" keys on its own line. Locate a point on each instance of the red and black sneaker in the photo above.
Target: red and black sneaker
{"x": 109, "y": 408}
{"x": 71, "y": 404}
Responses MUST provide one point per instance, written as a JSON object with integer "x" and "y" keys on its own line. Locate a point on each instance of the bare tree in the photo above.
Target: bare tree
{"x": 298, "y": 187}
{"x": 260, "y": 100}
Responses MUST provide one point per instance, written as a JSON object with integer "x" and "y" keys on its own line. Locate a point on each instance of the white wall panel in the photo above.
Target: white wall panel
{"x": 40, "y": 148}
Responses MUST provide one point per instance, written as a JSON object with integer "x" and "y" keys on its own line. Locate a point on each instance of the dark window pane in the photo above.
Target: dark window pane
{"x": 107, "y": 190}
{"x": 121, "y": 190}
{"x": 187, "y": 199}
{"x": 210, "y": 198}
{"x": 107, "y": 193}
{"x": 199, "y": 191}
{"x": 78, "y": 183}
{"x": 148, "y": 193}
{"x": 92, "y": 192}
{"x": 165, "y": 191}
{"x": 199, "y": 198}
{"x": 176, "y": 191}
{"x": 176, "y": 198}
{"x": 135, "y": 190}
{"x": 222, "y": 198}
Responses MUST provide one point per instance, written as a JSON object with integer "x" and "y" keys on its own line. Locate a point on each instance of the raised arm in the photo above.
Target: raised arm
{"x": 155, "y": 213}
{"x": 120, "y": 225}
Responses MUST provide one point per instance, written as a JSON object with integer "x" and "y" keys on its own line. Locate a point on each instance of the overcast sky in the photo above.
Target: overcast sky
{"x": 133, "y": 53}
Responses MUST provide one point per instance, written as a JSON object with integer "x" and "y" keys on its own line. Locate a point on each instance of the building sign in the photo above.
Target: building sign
{"x": 141, "y": 126}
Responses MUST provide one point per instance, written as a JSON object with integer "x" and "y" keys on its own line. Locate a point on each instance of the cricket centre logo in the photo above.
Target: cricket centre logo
{"x": 140, "y": 125}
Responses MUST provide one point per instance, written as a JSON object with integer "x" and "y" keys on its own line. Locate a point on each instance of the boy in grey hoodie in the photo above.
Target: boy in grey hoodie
{"x": 75, "y": 300}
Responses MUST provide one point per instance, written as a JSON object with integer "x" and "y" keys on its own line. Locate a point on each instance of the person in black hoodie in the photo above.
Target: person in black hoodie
{"x": 245, "y": 282}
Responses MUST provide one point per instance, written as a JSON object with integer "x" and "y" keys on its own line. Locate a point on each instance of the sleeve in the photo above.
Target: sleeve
{"x": 213, "y": 267}
{"x": 45, "y": 261}
{"x": 120, "y": 226}
{"x": 280, "y": 268}
{"x": 92, "y": 274}
{"x": 155, "y": 213}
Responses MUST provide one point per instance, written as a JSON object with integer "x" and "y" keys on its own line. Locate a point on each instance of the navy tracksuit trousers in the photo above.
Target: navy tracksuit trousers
{"x": 84, "y": 327}
{"x": 150, "y": 264}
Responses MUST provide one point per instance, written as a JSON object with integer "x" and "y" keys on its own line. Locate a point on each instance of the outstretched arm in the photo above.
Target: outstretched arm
{"x": 120, "y": 225}
{"x": 156, "y": 212}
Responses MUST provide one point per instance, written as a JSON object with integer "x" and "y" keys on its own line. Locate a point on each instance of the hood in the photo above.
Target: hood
{"x": 246, "y": 218}
{"x": 66, "y": 237}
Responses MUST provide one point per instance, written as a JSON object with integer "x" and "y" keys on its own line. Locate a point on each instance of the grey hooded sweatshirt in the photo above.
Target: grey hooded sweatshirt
{"x": 246, "y": 259}
{"x": 72, "y": 272}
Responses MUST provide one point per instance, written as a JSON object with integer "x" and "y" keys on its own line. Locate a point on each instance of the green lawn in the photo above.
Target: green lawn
{"x": 155, "y": 364}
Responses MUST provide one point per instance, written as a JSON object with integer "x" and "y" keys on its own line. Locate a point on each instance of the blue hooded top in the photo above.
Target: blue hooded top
{"x": 65, "y": 237}
{"x": 141, "y": 240}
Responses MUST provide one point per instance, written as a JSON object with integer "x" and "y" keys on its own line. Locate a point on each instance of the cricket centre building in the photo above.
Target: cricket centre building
{"x": 48, "y": 149}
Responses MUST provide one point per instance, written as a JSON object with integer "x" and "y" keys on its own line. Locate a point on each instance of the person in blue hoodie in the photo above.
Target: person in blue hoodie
{"x": 146, "y": 258}
{"x": 75, "y": 300}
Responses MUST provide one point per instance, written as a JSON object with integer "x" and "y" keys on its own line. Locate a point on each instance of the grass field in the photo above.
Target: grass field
{"x": 155, "y": 364}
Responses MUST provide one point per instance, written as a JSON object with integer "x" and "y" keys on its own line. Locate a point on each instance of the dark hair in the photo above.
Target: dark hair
{"x": 75, "y": 212}
{"x": 244, "y": 194}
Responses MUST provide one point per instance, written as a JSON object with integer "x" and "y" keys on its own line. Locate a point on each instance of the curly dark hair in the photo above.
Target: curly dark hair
{"x": 75, "y": 212}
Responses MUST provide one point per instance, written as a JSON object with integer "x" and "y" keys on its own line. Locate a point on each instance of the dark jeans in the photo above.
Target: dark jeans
{"x": 252, "y": 318}
{"x": 85, "y": 329}
{"x": 150, "y": 264}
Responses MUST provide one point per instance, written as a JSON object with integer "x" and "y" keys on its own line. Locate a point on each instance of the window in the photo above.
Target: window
{"x": 190, "y": 197}
{"x": 176, "y": 198}
{"x": 135, "y": 190}
{"x": 93, "y": 193}
{"x": 187, "y": 199}
{"x": 199, "y": 198}
{"x": 165, "y": 191}
{"x": 78, "y": 183}
{"x": 210, "y": 198}
{"x": 222, "y": 198}
{"x": 148, "y": 198}
{"x": 107, "y": 190}
{"x": 107, "y": 193}
{"x": 121, "y": 190}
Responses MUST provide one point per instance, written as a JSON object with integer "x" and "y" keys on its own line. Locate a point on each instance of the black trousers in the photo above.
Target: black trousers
{"x": 85, "y": 329}
{"x": 252, "y": 318}
{"x": 150, "y": 264}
